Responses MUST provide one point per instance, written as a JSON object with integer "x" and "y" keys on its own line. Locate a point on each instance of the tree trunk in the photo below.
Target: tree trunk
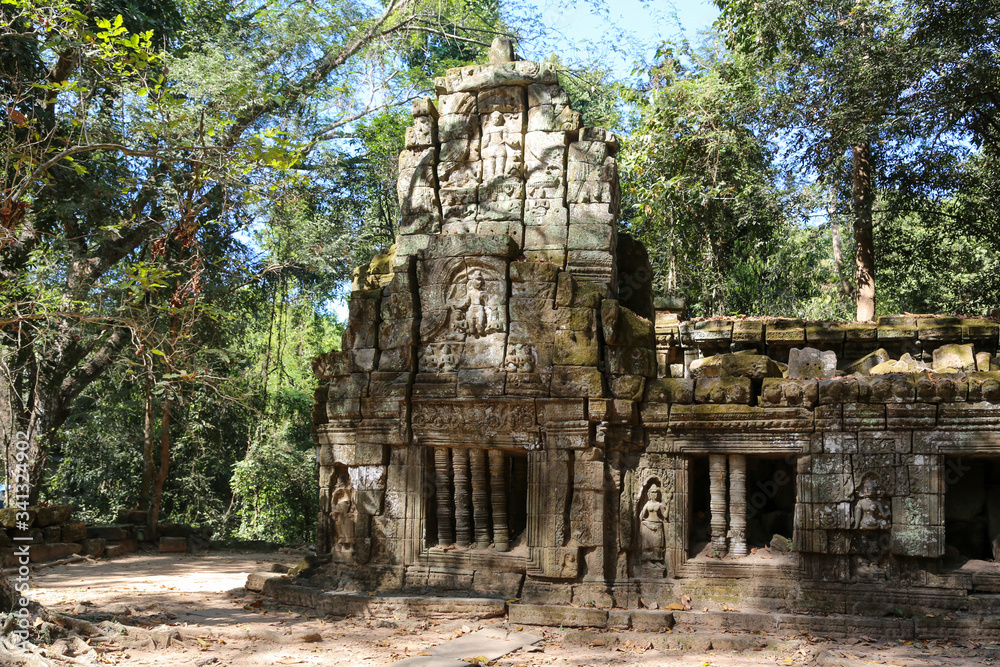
{"x": 148, "y": 437}
{"x": 838, "y": 254}
{"x": 162, "y": 469}
{"x": 863, "y": 241}
{"x": 26, "y": 446}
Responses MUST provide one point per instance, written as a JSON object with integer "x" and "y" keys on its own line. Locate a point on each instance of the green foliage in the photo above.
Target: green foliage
{"x": 699, "y": 185}
{"x": 279, "y": 497}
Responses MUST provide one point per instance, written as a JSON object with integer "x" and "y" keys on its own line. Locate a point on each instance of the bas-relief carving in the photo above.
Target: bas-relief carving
{"x": 469, "y": 332}
{"x": 343, "y": 512}
{"x": 654, "y": 520}
{"x": 487, "y": 416}
{"x": 871, "y": 521}
{"x": 521, "y": 358}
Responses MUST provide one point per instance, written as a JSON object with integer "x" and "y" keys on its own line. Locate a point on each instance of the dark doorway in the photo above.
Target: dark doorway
{"x": 972, "y": 508}
{"x": 700, "y": 498}
{"x": 770, "y": 499}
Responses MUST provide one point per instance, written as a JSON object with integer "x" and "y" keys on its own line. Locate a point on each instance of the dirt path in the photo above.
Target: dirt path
{"x": 204, "y": 598}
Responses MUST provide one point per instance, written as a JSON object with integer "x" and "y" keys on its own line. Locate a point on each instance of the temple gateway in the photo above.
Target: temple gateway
{"x": 513, "y": 414}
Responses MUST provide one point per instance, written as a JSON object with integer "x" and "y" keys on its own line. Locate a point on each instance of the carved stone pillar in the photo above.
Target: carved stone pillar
{"x": 737, "y": 504}
{"x": 442, "y": 469}
{"x": 498, "y": 490}
{"x": 463, "y": 526}
{"x": 717, "y": 487}
{"x": 480, "y": 496}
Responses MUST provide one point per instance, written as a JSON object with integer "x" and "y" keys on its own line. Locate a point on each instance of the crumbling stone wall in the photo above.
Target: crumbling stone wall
{"x": 500, "y": 419}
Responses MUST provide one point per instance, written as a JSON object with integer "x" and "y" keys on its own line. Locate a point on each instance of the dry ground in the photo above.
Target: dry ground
{"x": 221, "y": 624}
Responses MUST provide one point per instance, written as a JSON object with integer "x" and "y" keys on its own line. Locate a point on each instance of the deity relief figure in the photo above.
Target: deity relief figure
{"x": 342, "y": 512}
{"x": 497, "y": 148}
{"x": 520, "y": 358}
{"x": 872, "y": 521}
{"x": 475, "y": 318}
{"x": 471, "y": 317}
{"x": 653, "y": 522}
{"x": 872, "y": 512}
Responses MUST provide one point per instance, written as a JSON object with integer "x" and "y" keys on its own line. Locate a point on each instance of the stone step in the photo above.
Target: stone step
{"x": 490, "y": 643}
{"x": 373, "y": 606}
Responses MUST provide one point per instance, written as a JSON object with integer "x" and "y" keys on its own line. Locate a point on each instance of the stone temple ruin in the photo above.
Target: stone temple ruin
{"x": 513, "y": 415}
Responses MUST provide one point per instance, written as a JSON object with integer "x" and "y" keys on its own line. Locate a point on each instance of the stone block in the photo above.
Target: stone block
{"x": 556, "y": 615}
{"x": 528, "y": 384}
{"x": 623, "y": 327}
{"x": 579, "y": 293}
{"x": 753, "y": 366}
{"x": 592, "y": 192}
{"x": 785, "y": 393}
{"x": 480, "y": 382}
{"x": 629, "y": 387}
{"x": 443, "y": 385}
{"x": 503, "y": 99}
{"x": 934, "y": 388}
{"x": 890, "y": 388}
{"x": 464, "y": 103}
{"x": 538, "y": 309}
{"x": 785, "y": 332}
{"x": 542, "y": 94}
{"x": 606, "y": 171}
{"x": 468, "y": 245}
{"x": 533, "y": 290}
{"x": 459, "y": 174}
{"x": 596, "y": 226}
{"x": 398, "y": 359}
{"x": 896, "y": 328}
{"x": 460, "y": 150}
{"x": 417, "y": 158}
{"x": 546, "y": 236}
{"x": 570, "y": 381}
{"x": 631, "y": 361}
{"x": 51, "y": 515}
{"x": 587, "y": 234}
{"x": 424, "y": 107}
{"x": 809, "y": 363}
{"x": 723, "y": 390}
{"x": 92, "y": 547}
{"x": 545, "y": 149}
{"x": 545, "y": 211}
{"x": 984, "y": 386}
{"x": 649, "y": 620}
{"x": 553, "y": 117}
{"x": 407, "y": 245}
{"x": 173, "y": 545}
{"x": 937, "y": 329}
{"x": 838, "y": 390}
{"x": 413, "y": 178}
{"x": 981, "y": 331}
{"x": 111, "y": 533}
{"x": 575, "y": 348}
{"x": 533, "y": 272}
{"x": 747, "y": 332}
{"x": 41, "y": 553}
{"x": 670, "y": 390}
{"x": 73, "y": 531}
{"x": 554, "y": 255}
{"x": 592, "y": 152}
{"x": 422, "y": 134}
{"x": 707, "y": 332}
{"x": 956, "y": 357}
{"x": 457, "y": 126}
{"x": 118, "y": 549}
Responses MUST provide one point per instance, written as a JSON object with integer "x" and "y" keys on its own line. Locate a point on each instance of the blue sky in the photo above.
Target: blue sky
{"x": 618, "y": 33}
